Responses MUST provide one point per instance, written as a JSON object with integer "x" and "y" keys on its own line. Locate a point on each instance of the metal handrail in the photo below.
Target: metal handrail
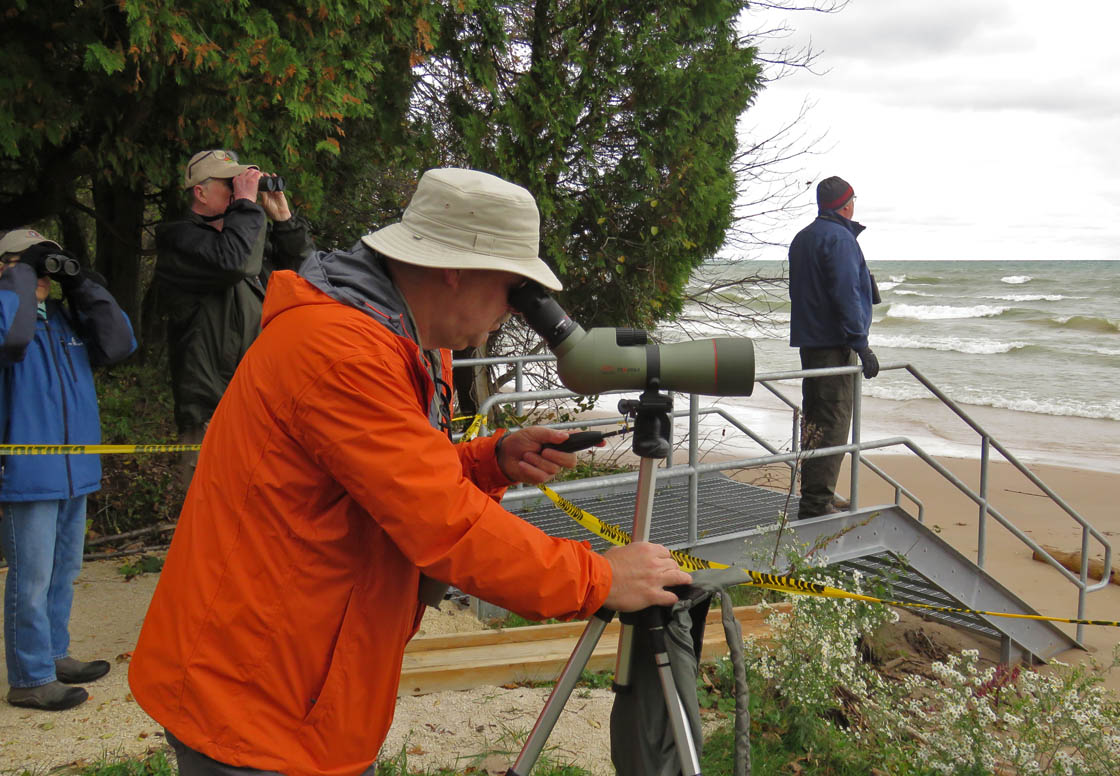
{"x": 694, "y": 469}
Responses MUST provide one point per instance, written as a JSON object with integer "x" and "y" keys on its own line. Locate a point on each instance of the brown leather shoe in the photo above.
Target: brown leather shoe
{"x": 841, "y": 503}
{"x": 53, "y": 696}
{"x": 71, "y": 671}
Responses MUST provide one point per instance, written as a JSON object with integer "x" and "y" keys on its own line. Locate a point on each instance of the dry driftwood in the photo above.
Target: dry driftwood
{"x": 1072, "y": 561}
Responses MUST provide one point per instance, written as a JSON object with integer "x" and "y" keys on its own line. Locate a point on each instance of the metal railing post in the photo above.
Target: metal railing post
{"x": 694, "y": 477}
{"x": 857, "y": 416}
{"x": 519, "y": 384}
{"x": 982, "y": 526}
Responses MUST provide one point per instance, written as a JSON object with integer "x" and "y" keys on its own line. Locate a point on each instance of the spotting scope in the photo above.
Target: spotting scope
{"x": 608, "y": 359}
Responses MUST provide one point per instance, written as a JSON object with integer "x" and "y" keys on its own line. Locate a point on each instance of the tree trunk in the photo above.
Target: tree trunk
{"x": 73, "y": 235}
{"x": 470, "y": 382}
{"x": 120, "y": 218}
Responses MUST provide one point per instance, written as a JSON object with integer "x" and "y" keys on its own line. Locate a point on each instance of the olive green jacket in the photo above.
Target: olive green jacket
{"x": 210, "y": 285}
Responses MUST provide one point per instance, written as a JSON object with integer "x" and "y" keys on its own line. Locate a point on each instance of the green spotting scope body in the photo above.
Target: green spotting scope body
{"x": 607, "y": 359}
{"x": 603, "y": 360}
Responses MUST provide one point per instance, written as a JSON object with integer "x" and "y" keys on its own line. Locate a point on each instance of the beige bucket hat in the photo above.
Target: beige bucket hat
{"x": 467, "y": 219}
{"x": 213, "y": 164}
{"x": 19, "y": 240}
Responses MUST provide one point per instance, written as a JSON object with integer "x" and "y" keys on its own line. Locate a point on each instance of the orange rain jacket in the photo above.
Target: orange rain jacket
{"x": 275, "y": 637}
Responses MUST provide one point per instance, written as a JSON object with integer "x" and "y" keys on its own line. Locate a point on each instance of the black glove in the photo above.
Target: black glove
{"x": 869, "y": 361}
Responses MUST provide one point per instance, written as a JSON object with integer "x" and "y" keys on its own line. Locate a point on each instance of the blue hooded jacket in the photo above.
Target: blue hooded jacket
{"x": 47, "y": 394}
{"x": 829, "y": 285}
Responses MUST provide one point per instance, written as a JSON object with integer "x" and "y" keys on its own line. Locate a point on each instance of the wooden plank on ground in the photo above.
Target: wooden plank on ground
{"x": 535, "y": 653}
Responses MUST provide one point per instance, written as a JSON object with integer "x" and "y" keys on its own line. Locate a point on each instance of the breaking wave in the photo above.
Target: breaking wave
{"x": 953, "y": 344}
{"x": 1086, "y": 323}
{"x": 944, "y": 312}
{"x": 1016, "y": 280}
{"x": 1106, "y": 410}
{"x": 1032, "y": 297}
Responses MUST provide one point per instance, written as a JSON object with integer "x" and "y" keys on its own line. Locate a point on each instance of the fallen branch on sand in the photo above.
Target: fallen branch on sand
{"x": 1072, "y": 561}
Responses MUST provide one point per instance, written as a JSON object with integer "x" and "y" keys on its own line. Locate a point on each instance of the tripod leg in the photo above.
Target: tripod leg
{"x": 678, "y": 718}
{"x": 643, "y": 518}
{"x": 577, "y": 661}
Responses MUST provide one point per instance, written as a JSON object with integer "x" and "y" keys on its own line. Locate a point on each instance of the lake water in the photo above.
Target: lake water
{"x": 1033, "y": 347}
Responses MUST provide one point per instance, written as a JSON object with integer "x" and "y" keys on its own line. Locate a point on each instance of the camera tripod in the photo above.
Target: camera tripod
{"x": 652, "y": 414}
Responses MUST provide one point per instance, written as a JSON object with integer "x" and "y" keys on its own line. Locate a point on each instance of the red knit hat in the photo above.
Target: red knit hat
{"x": 833, "y": 193}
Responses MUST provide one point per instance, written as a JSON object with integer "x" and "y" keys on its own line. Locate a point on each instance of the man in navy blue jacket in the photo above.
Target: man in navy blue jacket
{"x": 47, "y": 396}
{"x": 831, "y": 291}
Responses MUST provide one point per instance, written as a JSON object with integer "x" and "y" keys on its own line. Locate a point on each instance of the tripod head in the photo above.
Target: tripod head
{"x": 652, "y": 413}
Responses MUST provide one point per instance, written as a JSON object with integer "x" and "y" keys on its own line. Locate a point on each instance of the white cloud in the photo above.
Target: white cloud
{"x": 970, "y": 129}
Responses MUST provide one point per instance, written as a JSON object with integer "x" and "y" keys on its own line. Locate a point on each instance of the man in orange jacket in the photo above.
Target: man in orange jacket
{"x": 328, "y": 487}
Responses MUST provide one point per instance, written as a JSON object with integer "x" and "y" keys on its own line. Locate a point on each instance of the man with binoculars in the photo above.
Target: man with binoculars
{"x": 47, "y": 396}
{"x": 211, "y": 271}
{"x": 329, "y": 489}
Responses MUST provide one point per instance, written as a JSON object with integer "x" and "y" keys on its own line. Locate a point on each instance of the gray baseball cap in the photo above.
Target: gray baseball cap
{"x": 19, "y": 240}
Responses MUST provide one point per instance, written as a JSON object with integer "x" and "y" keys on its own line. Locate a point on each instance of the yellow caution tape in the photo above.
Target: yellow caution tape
{"x": 617, "y": 535}
{"x": 92, "y": 449}
{"x": 473, "y": 428}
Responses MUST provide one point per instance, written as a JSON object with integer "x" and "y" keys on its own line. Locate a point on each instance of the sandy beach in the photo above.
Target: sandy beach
{"x": 109, "y": 610}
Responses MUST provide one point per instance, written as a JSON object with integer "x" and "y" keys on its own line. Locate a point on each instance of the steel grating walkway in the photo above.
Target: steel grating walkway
{"x": 725, "y": 506}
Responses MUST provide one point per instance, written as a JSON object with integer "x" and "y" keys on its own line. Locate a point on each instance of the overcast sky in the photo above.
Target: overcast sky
{"x": 970, "y": 129}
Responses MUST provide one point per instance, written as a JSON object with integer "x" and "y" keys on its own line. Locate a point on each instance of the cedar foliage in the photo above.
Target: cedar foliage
{"x": 619, "y": 115}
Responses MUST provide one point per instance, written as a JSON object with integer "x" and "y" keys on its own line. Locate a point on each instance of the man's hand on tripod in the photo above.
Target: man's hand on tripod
{"x": 640, "y": 573}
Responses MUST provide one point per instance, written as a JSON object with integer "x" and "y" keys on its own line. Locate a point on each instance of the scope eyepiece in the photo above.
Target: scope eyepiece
{"x": 542, "y": 313}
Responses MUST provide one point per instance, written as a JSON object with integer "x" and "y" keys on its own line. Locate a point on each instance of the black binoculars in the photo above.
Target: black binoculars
{"x": 59, "y": 264}
{"x": 270, "y": 183}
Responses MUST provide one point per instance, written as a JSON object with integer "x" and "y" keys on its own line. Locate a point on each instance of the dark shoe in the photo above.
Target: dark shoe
{"x": 803, "y": 514}
{"x": 71, "y": 671}
{"x": 54, "y": 696}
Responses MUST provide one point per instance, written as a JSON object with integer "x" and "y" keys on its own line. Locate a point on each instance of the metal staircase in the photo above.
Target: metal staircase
{"x": 738, "y": 521}
{"x": 699, "y": 509}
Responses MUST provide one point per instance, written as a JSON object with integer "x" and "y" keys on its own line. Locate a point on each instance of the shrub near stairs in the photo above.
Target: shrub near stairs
{"x": 137, "y": 490}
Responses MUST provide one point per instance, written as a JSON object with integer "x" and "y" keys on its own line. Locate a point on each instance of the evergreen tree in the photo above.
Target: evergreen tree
{"x": 102, "y": 103}
{"x": 620, "y": 116}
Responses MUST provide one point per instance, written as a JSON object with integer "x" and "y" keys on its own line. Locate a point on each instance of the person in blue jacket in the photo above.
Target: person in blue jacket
{"x": 47, "y": 396}
{"x": 831, "y": 291}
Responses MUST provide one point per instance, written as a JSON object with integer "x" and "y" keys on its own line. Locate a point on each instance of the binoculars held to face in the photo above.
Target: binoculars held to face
{"x": 270, "y": 183}
{"x": 59, "y": 264}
